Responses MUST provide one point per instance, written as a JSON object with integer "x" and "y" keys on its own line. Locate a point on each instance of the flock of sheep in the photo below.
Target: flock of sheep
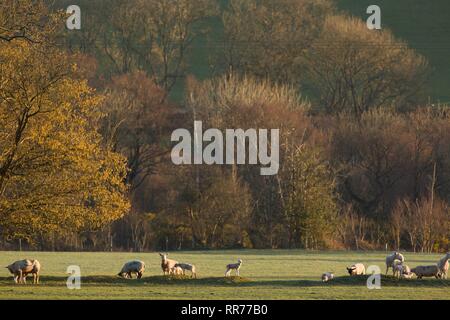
{"x": 22, "y": 268}
{"x": 396, "y": 261}
{"x": 168, "y": 266}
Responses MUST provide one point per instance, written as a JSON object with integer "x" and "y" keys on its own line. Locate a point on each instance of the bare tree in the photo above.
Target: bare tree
{"x": 155, "y": 36}
{"x": 353, "y": 69}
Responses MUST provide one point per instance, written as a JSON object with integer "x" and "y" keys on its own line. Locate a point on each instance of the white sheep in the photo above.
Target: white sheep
{"x": 356, "y": 269}
{"x": 20, "y": 269}
{"x": 167, "y": 264}
{"x": 407, "y": 275}
{"x": 398, "y": 269}
{"x": 189, "y": 267}
{"x": 401, "y": 269}
{"x": 137, "y": 267}
{"x": 443, "y": 265}
{"x": 233, "y": 266}
{"x": 327, "y": 276}
{"x": 426, "y": 271}
{"x": 176, "y": 271}
{"x": 391, "y": 259}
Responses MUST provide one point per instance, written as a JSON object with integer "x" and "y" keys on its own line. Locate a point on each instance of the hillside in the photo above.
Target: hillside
{"x": 424, "y": 25}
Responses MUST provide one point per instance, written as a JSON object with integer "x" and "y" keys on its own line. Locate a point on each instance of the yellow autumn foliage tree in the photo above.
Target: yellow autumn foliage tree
{"x": 55, "y": 174}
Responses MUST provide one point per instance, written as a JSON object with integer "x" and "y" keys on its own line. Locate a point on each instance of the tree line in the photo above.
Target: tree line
{"x": 86, "y": 118}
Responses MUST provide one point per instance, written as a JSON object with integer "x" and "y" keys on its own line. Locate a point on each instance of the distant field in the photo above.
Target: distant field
{"x": 266, "y": 274}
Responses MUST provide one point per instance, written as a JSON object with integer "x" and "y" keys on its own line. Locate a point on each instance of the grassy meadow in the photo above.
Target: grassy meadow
{"x": 265, "y": 274}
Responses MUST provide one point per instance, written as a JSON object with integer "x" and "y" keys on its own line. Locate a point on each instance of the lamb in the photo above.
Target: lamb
{"x": 406, "y": 269}
{"x": 137, "y": 267}
{"x": 167, "y": 264}
{"x": 443, "y": 265}
{"x": 398, "y": 269}
{"x": 426, "y": 271}
{"x": 407, "y": 276}
{"x": 233, "y": 266}
{"x": 391, "y": 259}
{"x": 327, "y": 276}
{"x": 357, "y": 269}
{"x": 177, "y": 271}
{"x": 401, "y": 269}
{"x": 20, "y": 269}
{"x": 189, "y": 267}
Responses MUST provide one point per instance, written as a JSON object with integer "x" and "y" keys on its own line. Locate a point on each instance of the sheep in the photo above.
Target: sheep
{"x": 327, "y": 276}
{"x": 391, "y": 259}
{"x": 20, "y": 269}
{"x": 137, "y": 267}
{"x": 167, "y": 264}
{"x": 356, "y": 269}
{"x": 233, "y": 266}
{"x": 426, "y": 271}
{"x": 398, "y": 270}
{"x": 187, "y": 266}
{"x": 35, "y": 270}
{"x": 443, "y": 265}
{"x": 176, "y": 271}
{"x": 406, "y": 269}
{"x": 401, "y": 269}
{"x": 407, "y": 275}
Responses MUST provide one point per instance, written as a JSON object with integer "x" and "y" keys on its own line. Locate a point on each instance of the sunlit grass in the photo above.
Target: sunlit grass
{"x": 265, "y": 274}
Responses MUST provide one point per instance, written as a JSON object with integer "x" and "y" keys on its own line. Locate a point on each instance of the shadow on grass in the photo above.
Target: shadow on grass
{"x": 347, "y": 281}
{"x": 344, "y": 281}
{"x": 118, "y": 281}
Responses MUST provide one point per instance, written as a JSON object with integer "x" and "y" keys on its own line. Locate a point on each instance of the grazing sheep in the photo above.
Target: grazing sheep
{"x": 391, "y": 259}
{"x": 357, "y": 269}
{"x": 189, "y": 267}
{"x": 327, "y": 276}
{"x": 426, "y": 271}
{"x": 443, "y": 265}
{"x": 20, "y": 269}
{"x": 167, "y": 264}
{"x": 233, "y": 266}
{"x": 137, "y": 267}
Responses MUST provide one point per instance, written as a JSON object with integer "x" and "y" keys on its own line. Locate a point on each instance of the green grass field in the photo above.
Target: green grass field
{"x": 266, "y": 274}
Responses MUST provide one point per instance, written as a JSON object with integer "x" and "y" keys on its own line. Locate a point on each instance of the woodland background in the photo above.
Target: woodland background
{"x": 86, "y": 118}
